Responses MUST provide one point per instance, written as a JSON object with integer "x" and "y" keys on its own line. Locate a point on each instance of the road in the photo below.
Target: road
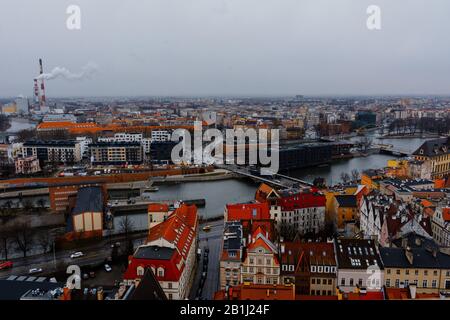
{"x": 94, "y": 253}
{"x": 213, "y": 240}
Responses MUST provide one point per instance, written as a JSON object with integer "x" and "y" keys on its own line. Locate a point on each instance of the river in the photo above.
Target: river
{"x": 18, "y": 124}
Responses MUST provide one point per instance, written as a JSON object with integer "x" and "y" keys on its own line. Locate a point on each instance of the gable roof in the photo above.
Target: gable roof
{"x": 179, "y": 229}
{"x": 148, "y": 288}
{"x": 434, "y": 147}
{"x": 89, "y": 199}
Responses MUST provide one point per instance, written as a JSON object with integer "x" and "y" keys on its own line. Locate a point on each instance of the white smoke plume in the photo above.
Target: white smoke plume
{"x": 61, "y": 72}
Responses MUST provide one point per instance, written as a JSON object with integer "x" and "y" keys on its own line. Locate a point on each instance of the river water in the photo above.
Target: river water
{"x": 218, "y": 193}
{"x": 18, "y": 124}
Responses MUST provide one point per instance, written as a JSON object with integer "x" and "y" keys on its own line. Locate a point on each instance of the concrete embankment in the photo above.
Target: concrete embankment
{"x": 203, "y": 177}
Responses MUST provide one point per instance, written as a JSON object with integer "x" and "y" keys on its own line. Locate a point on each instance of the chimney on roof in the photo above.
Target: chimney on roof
{"x": 404, "y": 243}
{"x": 409, "y": 255}
{"x": 434, "y": 253}
{"x": 413, "y": 290}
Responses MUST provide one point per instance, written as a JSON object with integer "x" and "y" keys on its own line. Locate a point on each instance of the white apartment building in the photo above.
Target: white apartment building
{"x": 440, "y": 224}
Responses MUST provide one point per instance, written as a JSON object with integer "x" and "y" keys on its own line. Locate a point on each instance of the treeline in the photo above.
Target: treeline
{"x": 419, "y": 126}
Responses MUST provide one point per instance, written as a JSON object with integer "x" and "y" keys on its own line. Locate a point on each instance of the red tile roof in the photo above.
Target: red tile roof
{"x": 158, "y": 207}
{"x": 257, "y": 292}
{"x": 177, "y": 233}
{"x": 248, "y": 211}
{"x": 302, "y": 200}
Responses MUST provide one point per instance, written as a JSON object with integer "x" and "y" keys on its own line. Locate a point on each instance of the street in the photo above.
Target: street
{"x": 93, "y": 254}
{"x": 211, "y": 239}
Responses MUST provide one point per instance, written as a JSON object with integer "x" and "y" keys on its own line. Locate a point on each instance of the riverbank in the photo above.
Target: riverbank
{"x": 410, "y": 136}
{"x": 216, "y": 175}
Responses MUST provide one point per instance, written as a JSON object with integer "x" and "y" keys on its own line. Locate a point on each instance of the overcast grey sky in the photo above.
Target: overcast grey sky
{"x": 215, "y": 47}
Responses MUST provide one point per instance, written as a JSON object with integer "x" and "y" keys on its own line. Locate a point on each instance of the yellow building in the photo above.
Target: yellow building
{"x": 346, "y": 209}
{"x": 9, "y": 108}
{"x": 371, "y": 178}
{"x": 427, "y": 268}
{"x": 435, "y": 152}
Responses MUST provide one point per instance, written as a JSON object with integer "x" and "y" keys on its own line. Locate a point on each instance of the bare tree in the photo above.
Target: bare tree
{"x": 365, "y": 143}
{"x": 345, "y": 177}
{"x": 45, "y": 241}
{"x": 23, "y": 237}
{"x": 126, "y": 226}
{"x": 41, "y": 203}
{"x": 287, "y": 231}
{"x": 355, "y": 175}
{"x": 28, "y": 205}
{"x": 5, "y": 239}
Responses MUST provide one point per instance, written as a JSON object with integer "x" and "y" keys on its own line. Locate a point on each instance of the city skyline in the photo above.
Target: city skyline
{"x": 248, "y": 49}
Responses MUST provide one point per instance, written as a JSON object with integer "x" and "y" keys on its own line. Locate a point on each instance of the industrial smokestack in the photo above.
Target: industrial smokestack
{"x": 36, "y": 91}
{"x": 42, "y": 104}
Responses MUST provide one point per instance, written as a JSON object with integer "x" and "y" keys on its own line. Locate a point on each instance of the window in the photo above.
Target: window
{"x": 398, "y": 271}
{"x": 433, "y": 284}
{"x": 360, "y": 282}
{"x": 313, "y": 280}
{"x": 388, "y": 271}
{"x": 170, "y": 296}
{"x": 170, "y": 285}
{"x": 252, "y": 260}
{"x": 140, "y": 271}
{"x": 318, "y": 281}
{"x": 343, "y": 282}
{"x": 268, "y": 262}
{"x": 425, "y": 272}
{"x": 351, "y": 281}
{"x": 424, "y": 283}
{"x": 416, "y": 272}
{"x": 160, "y": 272}
{"x": 397, "y": 283}
{"x": 435, "y": 273}
{"x": 407, "y": 271}
{"x": 313, "y": 268}
{"x": 330, "y": 281}
{"x": 388, "y": 283}
{"x": 406, "y": 283}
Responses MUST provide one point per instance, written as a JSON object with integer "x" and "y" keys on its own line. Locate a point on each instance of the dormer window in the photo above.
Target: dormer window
{"x": 160, "y": 272}
{"x": 140, "y": 271}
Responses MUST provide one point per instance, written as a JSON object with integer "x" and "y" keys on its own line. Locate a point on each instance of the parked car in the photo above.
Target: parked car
{"x": 108, "y": 268}
{"x": 76, "y": 255}
{"x": 6, "y": 265}
{"x": 35, "y": 270}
